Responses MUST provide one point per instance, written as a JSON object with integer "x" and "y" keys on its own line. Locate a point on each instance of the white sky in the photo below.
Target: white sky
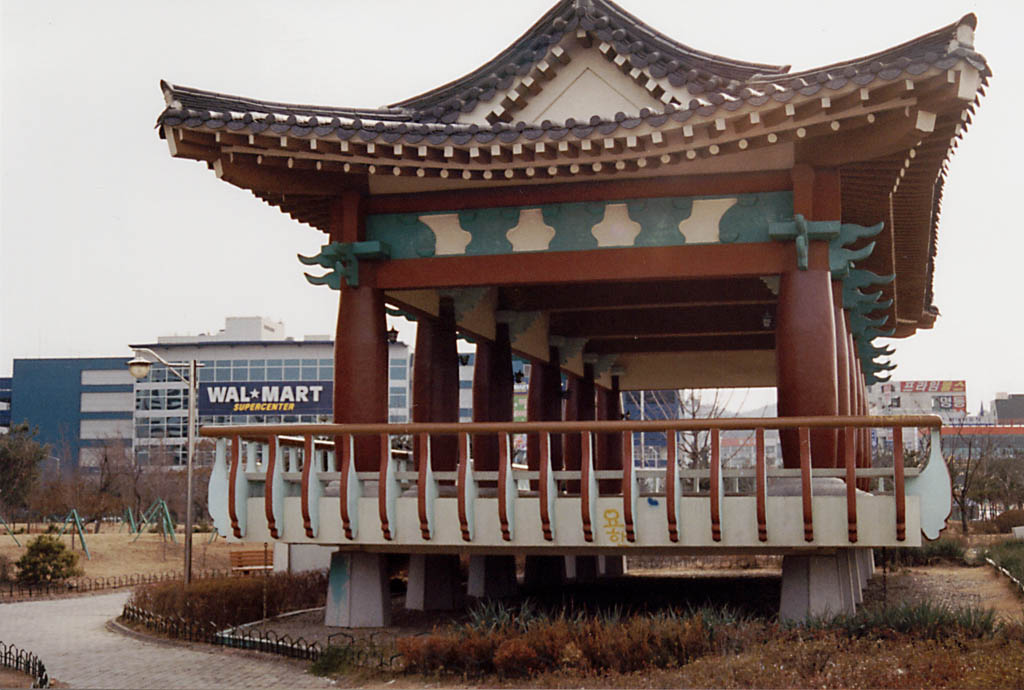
{"x": 105, "y": 239}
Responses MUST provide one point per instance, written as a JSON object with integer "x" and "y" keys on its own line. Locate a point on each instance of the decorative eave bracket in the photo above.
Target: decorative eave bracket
{"x": 342, "y": 261}
{"x": 802, "y": 231}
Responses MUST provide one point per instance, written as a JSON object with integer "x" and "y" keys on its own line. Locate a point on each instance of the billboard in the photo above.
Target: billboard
{"x": 266, "y": 397}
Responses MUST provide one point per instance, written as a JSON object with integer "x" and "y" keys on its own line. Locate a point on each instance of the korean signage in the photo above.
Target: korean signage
{"x": 266, "y": 397}
{"x": 925, "y": 396}
{"x": 933, "y": 386}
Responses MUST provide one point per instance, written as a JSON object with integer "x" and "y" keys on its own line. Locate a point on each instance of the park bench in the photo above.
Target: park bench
{"x": 245, "y": 562}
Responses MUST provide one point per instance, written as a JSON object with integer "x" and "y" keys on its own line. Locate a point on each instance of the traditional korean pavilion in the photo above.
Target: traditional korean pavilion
{"x": 627, "y": 213}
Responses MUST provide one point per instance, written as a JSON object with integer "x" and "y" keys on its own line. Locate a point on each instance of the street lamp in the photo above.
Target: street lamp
{"x": 188, "y": 372}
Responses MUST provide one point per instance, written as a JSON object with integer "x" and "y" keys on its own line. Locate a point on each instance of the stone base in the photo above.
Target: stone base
{"x": 492, "y": 577}
{"x": 543, "y": 572}
{"x": 581, "y": 568}
{"x": 611, "y": 566}
{"x": 357, "y": 591}
{"x": 815, "y": 586}
{"x": 434, "y": 583}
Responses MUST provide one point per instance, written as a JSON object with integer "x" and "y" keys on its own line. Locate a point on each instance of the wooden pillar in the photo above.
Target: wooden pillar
{"x": 805, "y": 352}
{"x": 544, "y": 404}
{"x": 609, "y": 446}
{"x": 492, "y": 393}
{"x": 360, "y": 342}
{"x": 579, "y": 406}
{"x": 435, "y": 383}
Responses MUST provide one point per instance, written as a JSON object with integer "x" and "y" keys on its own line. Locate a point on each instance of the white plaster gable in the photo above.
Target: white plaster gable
{"x": 617, "y": 229}
{"x": 448, "y": 233}
{"x": 588, "y": 85}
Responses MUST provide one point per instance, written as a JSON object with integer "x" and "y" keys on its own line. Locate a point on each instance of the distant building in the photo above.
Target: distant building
{"x": 1009, "y": 408}
{"x": 79, "y": 405}
{"x": 5, "y": 404}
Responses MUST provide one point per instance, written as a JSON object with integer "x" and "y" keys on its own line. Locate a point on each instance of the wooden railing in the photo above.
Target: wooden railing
{"x": 319, "y": 442}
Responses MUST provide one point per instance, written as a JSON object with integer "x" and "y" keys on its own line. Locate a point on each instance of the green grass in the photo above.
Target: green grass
{"x": 1010, "y": 555}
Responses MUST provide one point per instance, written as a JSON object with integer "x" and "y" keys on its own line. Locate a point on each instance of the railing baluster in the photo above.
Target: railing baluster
{"x": 850, "y": 459}
{"x": 805, "y": 482}
{"x": 672, "y": 492}
{"x": 466, "y": 489}
{"x": 588, "y": 485}
{"x": 546, "y": 487}
{"x": 273, "y": 486}
{"x": 506, "y": 488}
{"x": 717, "y": 490}
{"x": 387, "y": 488}
{"x": 629, "y": 487}
{"x": 238, "y": 490}
{"x": 250, "y": 456}
{"x": 898, "y": 491}
{"x": 426, "y": 488}
{"x": 761, "y": 486}
{"x": 349, "y": 488}
{"x": 310, "y": 489}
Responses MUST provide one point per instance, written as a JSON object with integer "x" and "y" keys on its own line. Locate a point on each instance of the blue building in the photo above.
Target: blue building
{"x": 79, "y": 406}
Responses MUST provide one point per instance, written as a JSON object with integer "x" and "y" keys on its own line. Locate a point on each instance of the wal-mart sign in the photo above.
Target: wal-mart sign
{"x": 266, "y": 397}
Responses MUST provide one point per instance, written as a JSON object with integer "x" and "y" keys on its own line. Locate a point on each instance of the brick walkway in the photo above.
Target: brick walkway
{"x": 70, "y": 636}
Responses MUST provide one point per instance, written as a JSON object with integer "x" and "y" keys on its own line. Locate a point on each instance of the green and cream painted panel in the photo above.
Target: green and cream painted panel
{"x": 582, "y": 226}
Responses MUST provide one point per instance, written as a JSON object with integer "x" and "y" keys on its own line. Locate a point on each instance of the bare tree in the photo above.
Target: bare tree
{"x": 969, "y": 453}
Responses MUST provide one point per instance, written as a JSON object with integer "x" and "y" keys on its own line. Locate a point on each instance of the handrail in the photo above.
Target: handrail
{"x": 722, "y": 424}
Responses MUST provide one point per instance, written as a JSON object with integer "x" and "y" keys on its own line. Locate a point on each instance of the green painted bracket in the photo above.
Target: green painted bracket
{"x": 841, "y": 259}
{"x": 802, "y": 231}
{"x": 860, "y": 323}
{"x": 465, "y": 300}
{"x": 573, "y": 223}
{"x": 391, "y": 311}
{"x": 861, "y": 278}
{"x": 518, "y": 321}
{"x": 567, "y": 347}
{"x": 601, "y": 363}
{"x": 342, "y": 261}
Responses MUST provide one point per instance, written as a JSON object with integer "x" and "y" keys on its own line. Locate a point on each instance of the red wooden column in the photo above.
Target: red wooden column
{"x": 578, "y": 407}
{"x": 492, "y": 393}
{"x": 360, "y": 342}
{"x": 435, "y": 383}
{"x": 609, "y": 446}
{"x": 805, "y": 336}
{"x": 544, "y": 404}
{"x": 842, "y": 364}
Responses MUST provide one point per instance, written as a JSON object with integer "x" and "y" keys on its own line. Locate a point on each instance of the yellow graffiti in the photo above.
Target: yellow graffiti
{"x": 614, "y": 529}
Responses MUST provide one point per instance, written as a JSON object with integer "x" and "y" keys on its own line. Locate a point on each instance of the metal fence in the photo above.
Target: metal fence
{"x": 19, "y": 590}
{"x": 365, "y": 651}
{"x": 25, "y": 661}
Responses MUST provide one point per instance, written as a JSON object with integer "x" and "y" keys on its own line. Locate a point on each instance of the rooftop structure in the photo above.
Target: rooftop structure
{"x": 632, "y": 214}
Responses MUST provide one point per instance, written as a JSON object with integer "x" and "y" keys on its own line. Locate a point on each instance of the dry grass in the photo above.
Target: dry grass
{"x": 14, "y": 679}
{"x": 115, "y": 553}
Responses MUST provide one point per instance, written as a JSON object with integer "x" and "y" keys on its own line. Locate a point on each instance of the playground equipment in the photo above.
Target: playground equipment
{"x": 74, "y": 516}
{"x": 10, "y": 531}
{"x": 158, "y": 513}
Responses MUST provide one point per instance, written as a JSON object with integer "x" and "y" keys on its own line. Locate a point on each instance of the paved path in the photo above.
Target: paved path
{"x": 70, "y": 637}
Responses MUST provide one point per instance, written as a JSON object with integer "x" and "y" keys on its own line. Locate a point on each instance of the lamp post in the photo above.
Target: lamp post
{"x": 139, "y": 367}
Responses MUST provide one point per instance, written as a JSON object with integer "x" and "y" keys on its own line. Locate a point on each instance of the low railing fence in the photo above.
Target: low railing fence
{"x": 272, "y": 461}
{"x": 360, "y": 651}
{"x": 26, "y": 662}
{"x": 80, "y": 585}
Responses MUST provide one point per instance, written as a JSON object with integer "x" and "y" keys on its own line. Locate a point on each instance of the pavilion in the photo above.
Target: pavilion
{"x": 627, "y": 213}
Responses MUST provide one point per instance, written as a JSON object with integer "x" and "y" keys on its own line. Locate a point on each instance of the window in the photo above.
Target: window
{"x": 397, "y": 397}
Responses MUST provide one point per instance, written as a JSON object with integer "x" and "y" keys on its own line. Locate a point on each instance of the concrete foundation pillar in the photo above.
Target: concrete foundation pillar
{"x": 585, "y": 568}
{"x": 856, "y": 576}
{"x": 814, "y": 586}
{"x": 611, "y": 566}
{"x": 492, "y": 577}
{"x": 357, "y": 591}
{"x": 434, "y": 583}
{"x": 544, "y": 572}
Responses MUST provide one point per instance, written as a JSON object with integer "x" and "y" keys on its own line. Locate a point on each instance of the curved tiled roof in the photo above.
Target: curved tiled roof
{"x": 713, "y": 83}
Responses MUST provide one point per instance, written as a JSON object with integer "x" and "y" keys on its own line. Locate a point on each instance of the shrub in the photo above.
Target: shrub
{"x": 1009, "y": 519}
{"x": 235, "y": 600}
{"x": 924, "y": 620}
{"x": 46, "y": 560}
{"x": 5, "y": 569}
{"x": 942, "y": 549}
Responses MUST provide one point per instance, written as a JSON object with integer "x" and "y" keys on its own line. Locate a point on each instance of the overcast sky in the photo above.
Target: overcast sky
{"x": 106, "y": 239}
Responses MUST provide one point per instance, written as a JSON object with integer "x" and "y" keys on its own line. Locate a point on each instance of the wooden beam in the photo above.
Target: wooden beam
{"x": 599, "y": 265}
{"x": 683, "y": 185}
{"x": 631, "y": 295}
{"x": 892, "y": 135}
{"x": 659, "y": 321}
{"x": 286, "y": 181}
{"x": 694, "y": 343}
